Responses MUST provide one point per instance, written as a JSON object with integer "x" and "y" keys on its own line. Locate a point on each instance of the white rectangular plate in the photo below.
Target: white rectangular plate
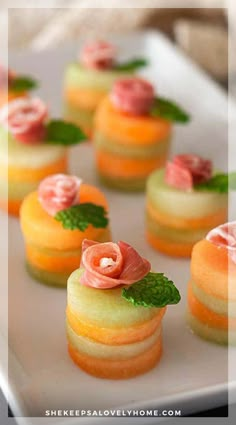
{"x": 192, "y": 374}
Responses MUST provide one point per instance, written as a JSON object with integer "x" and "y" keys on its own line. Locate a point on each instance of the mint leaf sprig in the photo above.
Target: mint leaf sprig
{"x": 22, "y": 83}
{"x": 165, "y": 108}
{"x": 79, "y": 217}
{"x": 154, "y": 290}
{"x": 220, "y": 183}
{"x": 131, "y": 65}
{"x": 59, "y": 132}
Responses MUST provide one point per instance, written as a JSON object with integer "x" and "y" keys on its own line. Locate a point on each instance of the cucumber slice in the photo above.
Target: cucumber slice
{"x": 92, "y": 348}
{"x": 121, "y": 148}
{"x": 104, "y": 307}
{"x": 78, "y": 76}
{"x": 18, "y": 154}
{"x": 180, "y": 203}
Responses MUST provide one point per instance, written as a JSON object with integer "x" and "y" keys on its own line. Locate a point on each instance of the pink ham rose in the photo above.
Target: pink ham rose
{"x": 187, "y": 170}
{"x": 58, "y": 192}
{"x": 98, "y": 55}
{"x": 224, "y": 236}
{"x": 108, "y": 264}
{"x": 133, "y": 95}
{"x": 25, "y": 119}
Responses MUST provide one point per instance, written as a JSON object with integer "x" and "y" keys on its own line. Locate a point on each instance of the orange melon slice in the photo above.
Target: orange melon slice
{"x": 141, "y": 130}
{"x": 11, "y": 206}
{"x": 120, "y": 166}
{"x": 115, "y": 369}
{"x": 114, "y": 336}
{"x": 174, "y": 249}
{"x": 83, "y": 98}
{"x": 210, "y": 270}
{"x": 41, "y": 229}
{"x": 20, "y": 174}
{"x": 207, "y": 316}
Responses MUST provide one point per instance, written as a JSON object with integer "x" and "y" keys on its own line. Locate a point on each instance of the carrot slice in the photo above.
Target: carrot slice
{"x": 114, "y": 369}
{"x": 209, "y": 221}
{"x": 142, "y": 130}
{"x": 170, "y": 248}
{"x": 10, "y": 206}
{"x": 207, "y": 316}
{"x": 84, "y": 98}
{"x": 114, "y": 336}
{"x": 119, "y": 166}
{"x": 34, "y": 174}
{"x": 41, "y": 229}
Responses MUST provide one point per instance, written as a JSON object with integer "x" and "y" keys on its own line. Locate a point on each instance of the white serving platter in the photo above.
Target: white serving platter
{"x": 193, "y": 374}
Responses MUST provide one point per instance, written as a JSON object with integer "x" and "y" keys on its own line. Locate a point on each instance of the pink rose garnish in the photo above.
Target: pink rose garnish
{"x": 58, "y": 192}
{"x": 187, "y": 170}
{"x": 224, "y": 236}
{"x": 98, "y": 55}
{"x": 133, "y": 95}
{"x": 108, "y": 264}
{"x": 25, "y": 119}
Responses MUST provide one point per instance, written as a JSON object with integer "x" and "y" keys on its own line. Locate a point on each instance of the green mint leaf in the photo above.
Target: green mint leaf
{"x": 81, "y": 216}
{"x": 218, "y": 183}
{"x": 169, "y": 110}
{"x": 23, "y": 83}
{"x": 131, "y": 65}
{"x": 63, "y": 133}
{"x": 154, "y": 290}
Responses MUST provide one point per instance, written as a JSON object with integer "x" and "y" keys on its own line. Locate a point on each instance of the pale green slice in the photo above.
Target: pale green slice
{"x": 17, "y": 154}
{"x": 78, "y": 76}
{"x": 104, "y": 307}
{"x": 181, "y": 203}
{"x": 172, "y": 234}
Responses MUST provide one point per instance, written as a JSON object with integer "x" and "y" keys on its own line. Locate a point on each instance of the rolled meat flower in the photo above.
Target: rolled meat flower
{"x": 25, "y": 119}
{"x": 184, "y": 171}
{"x": 98, "y": 55}
{"x": 108, "y": 265}
{"x": 224, "y": 236}
{"x": 58, "y": 192}
{"x": 133, "y": 95}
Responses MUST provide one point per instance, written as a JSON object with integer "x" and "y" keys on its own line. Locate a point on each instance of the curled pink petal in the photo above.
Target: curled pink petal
{"x": 224, "y": 236}
{"x": 133, "y": 95}
{"x": 98, "y": 55}
{"x": 58, "y": 192}
{"x": 108, "y": 265}
{"x": 25, "y": 119}
{"x": 200, "y": 168}
{"x": 135, "y": 267}
{"x": 187, "y": 170}
{"x": 178, "y": 177}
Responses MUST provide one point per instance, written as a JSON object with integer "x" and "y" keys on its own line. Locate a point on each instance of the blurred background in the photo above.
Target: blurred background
{"x": 201, "y": 30}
